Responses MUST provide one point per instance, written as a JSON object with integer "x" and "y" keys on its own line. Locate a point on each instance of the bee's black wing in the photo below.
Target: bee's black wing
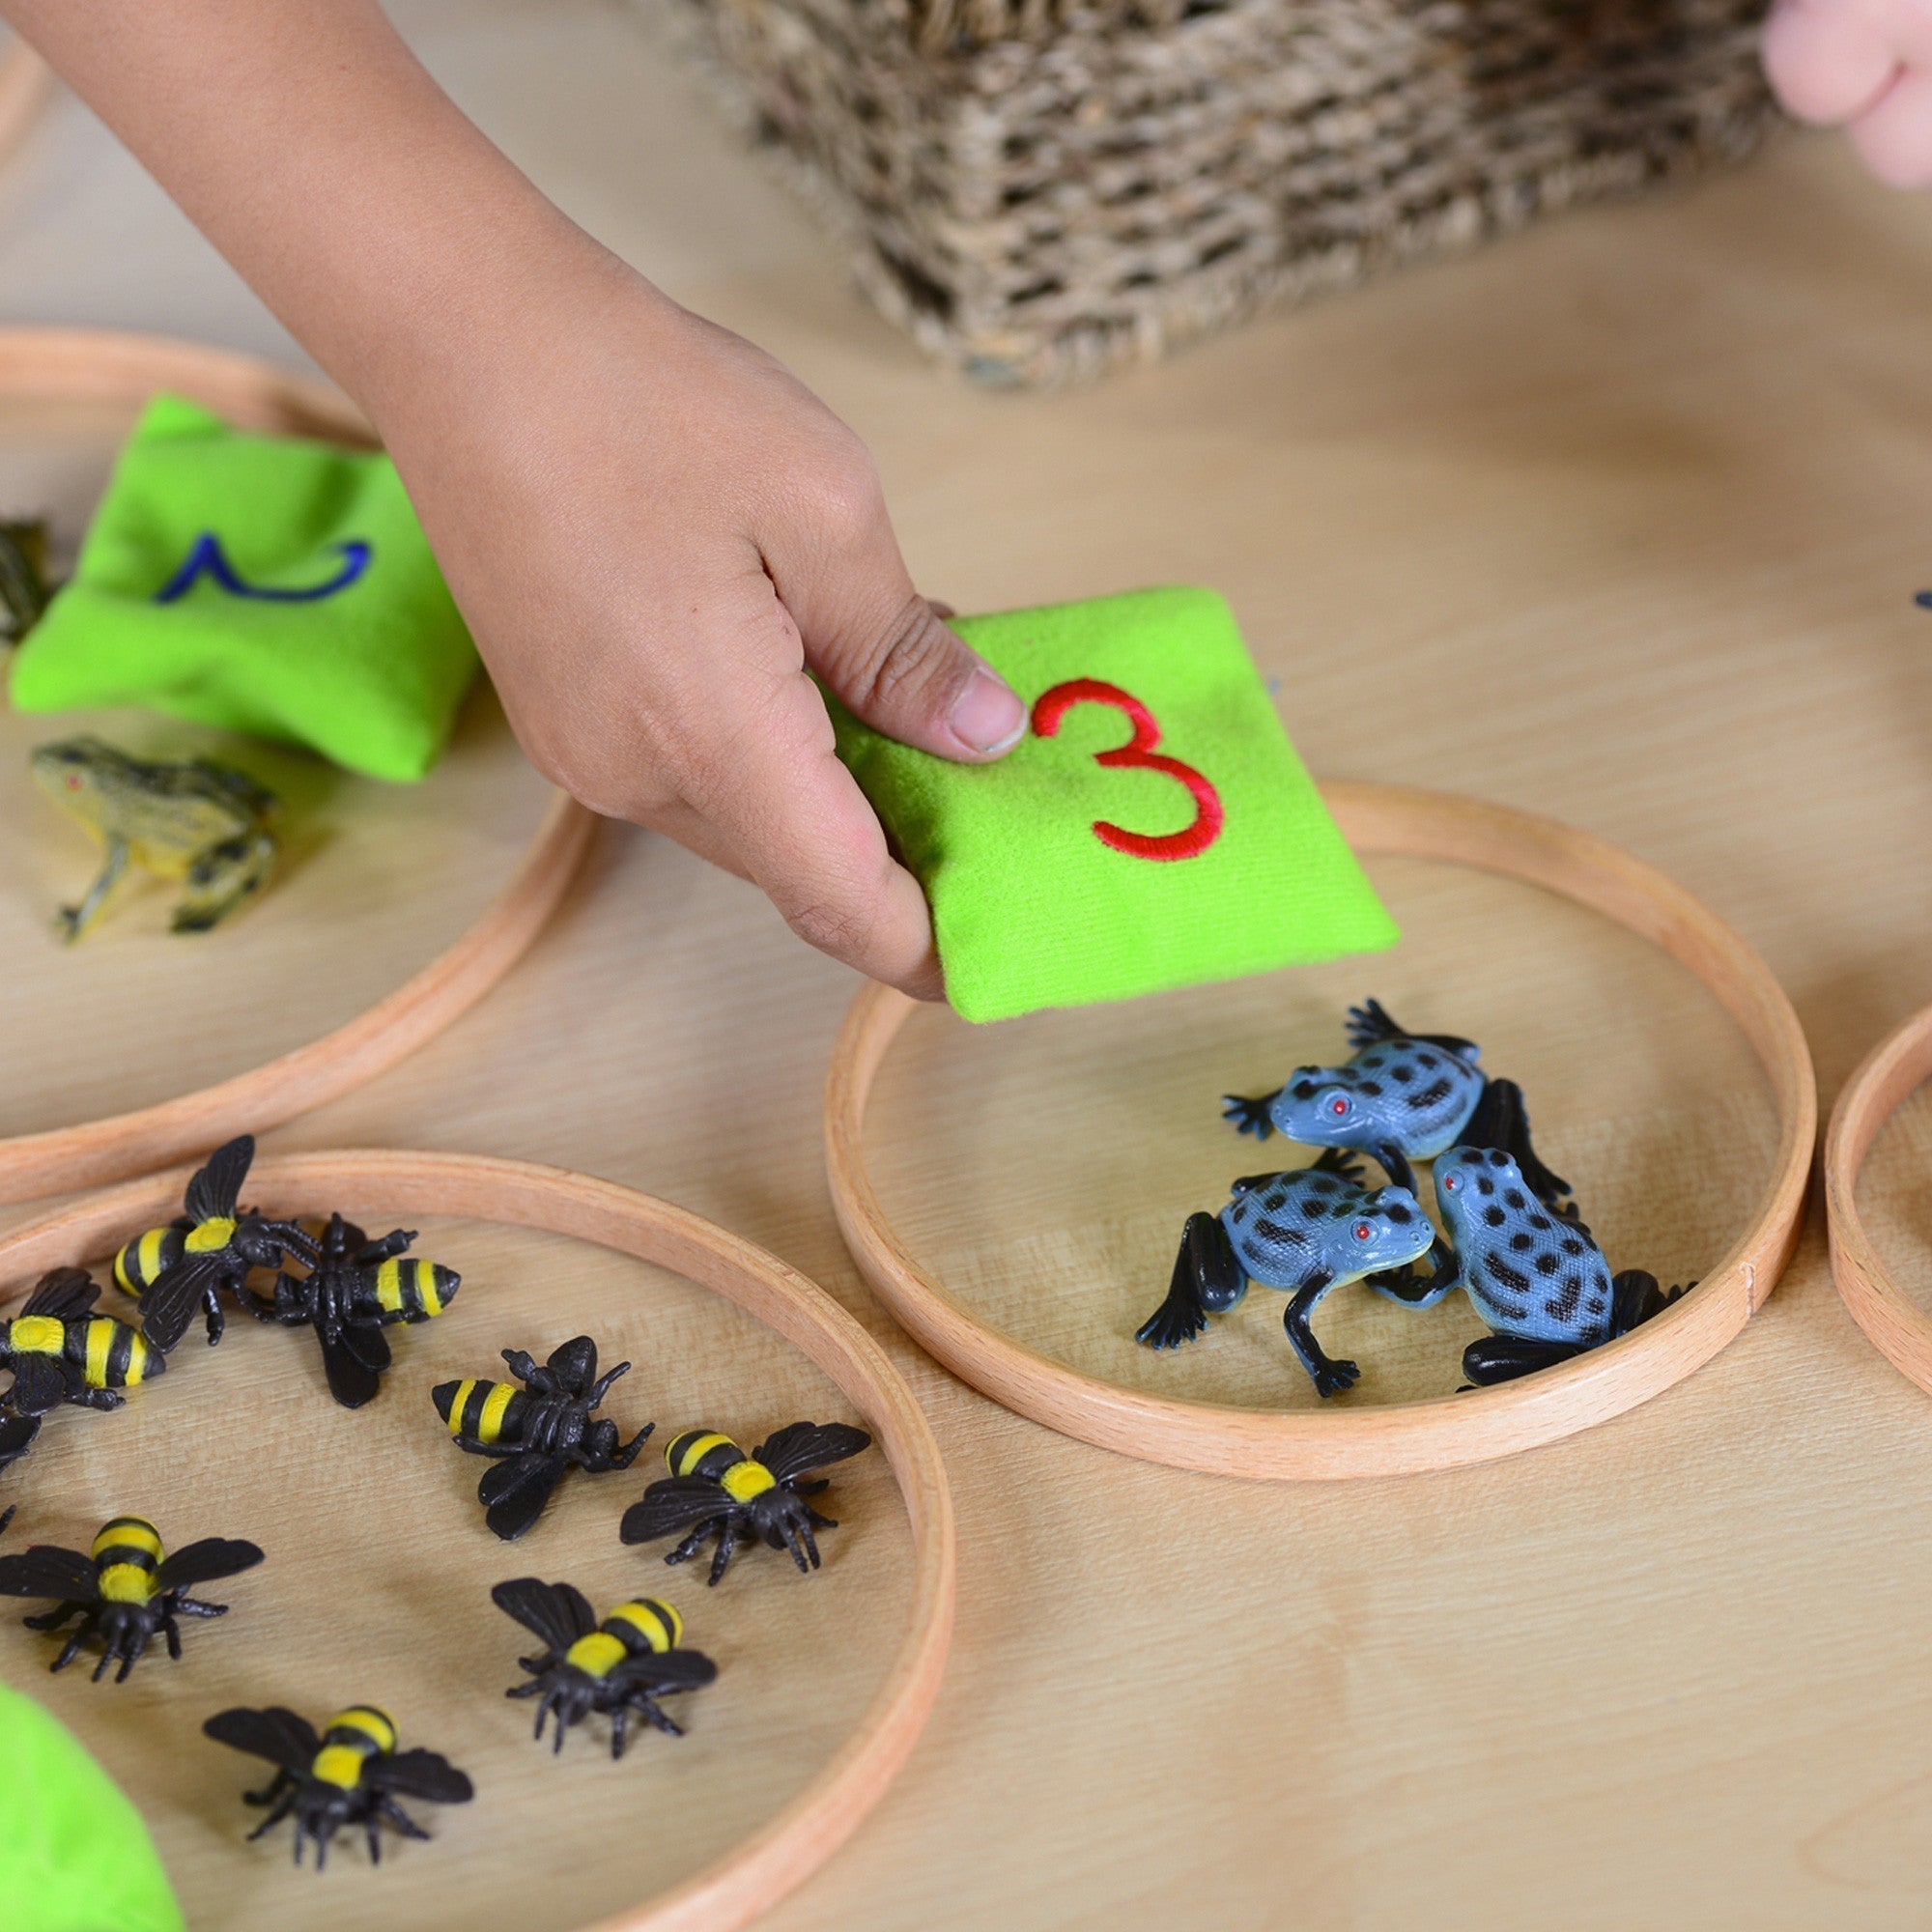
{"x": 419, "y": 1774}
{"x": 16, "y": 1437}
{"x": 352, "y": 1381}
{"x": 39, "y": 1383}
{"x": 666, "y": 1670}
{"x": 216, "y": 1188}
{"x": 47, "y": 1570}
{"x": 513, "y": 1492}
{"x": 204, "y": 1561}
{"x": 367, "y": 1343}
{"x": 670, "y": 1505}
{"x": 275, "y": 1734}
{"x": 169, "y": 1305}
{"x": 554, "y": 1612}
{"x": 810, "y": 1445}
{"x": 64, "y": 1293}
{"x": 575, "y": 1364}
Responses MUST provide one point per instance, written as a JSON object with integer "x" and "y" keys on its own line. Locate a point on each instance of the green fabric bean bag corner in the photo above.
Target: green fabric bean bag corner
{"x": 1153, "y": 829}
{"x": 75, "y": 1856}
{"x": 257, "y": 583}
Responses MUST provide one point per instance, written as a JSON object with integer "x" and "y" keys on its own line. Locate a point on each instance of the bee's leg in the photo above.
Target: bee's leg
{"x": 213, "y": 1317}
{"x": 70, "y": 922}
{"x": 497, "y": 1450}
{"x": 72, "y": 1649}
{"x": 134, "y": 1647}
{"x": 727, "y": 1542}
{"x": 627, "y": 1454}
{"x": 648, "y": 1708}
{"x": 400, "y": 1818}
{"x": 1329, "y": 1375}
{"x": 529, "y": 1371}
{"x": 104, "y": 1400}
{"x": 190, "y": 1607}
{"x": 283, "y": 1801}
{"x": 619, "y": 1719}
{"x": 110, "y": 1655}
{"x": 54, "y": 1618}
{"x": 170, "y": 1631}
{"x": 801, "y": 1526}
{"x": 693, "y": 1543}
{"x": 370, "y": 1825}
{"x": 817, "y": 1521}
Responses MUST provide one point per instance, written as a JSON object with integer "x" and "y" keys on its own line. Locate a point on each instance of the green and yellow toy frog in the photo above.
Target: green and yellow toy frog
{"x": 196, "y": 821}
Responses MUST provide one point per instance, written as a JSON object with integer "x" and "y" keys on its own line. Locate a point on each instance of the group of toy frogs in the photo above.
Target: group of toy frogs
{"x": 348, "y": 1290}
{"x": 1514, "y": 1241}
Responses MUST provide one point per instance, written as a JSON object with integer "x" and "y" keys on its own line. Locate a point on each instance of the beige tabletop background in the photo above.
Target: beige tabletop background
{"x": 1619, "y": 520}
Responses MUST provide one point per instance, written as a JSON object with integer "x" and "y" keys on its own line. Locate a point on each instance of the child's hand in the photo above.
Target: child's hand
{"x": 652, "y": 530}
{"x": 1866, "y": 64}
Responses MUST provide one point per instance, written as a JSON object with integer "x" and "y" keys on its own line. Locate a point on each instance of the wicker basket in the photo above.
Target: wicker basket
{"x": 1042, "y": 190}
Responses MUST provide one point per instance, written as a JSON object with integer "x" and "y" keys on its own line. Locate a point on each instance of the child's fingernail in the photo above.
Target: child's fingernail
{"x": 987, "y": 715}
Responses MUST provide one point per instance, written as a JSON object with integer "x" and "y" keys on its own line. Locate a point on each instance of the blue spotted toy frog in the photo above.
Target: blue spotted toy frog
{"x": 1403, "y": 1097}
{"x": 1305, "y": 1232}
{"x": 1537, "y": 1278}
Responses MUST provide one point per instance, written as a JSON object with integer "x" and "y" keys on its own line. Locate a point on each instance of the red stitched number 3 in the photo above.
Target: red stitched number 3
{"x": 1137, "y": 754}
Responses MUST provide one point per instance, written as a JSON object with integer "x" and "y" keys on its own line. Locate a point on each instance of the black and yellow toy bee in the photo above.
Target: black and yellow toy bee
{"x": 172, "y": 1270}
{"x": 536, "y": 1432}
{"x": 355, "y": 1290}
{"x": 349, "y": 1776}
{"x": 125, "y": 1592}
{"x": 59, "y": 1351}
{"x": 713, "y": 1484}
{"x": 623, "y": 1664}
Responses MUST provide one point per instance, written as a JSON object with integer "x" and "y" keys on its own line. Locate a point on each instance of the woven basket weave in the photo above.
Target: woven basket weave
{"x": 1042, "y": 190}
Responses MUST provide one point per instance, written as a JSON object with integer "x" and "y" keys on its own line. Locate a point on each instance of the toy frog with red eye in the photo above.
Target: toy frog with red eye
{"x": 1305, "y": 1232}
{"x": 1403, "y": 1097}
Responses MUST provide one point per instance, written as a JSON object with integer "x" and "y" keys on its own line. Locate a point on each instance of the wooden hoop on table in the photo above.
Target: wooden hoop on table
{"x": 82, "y": 365}
{"x": 1897, "y": 1327}
{"x": 26, "y": 86}
{"x": 1405, "y": 1436}
{"x": 383, "y": 1183}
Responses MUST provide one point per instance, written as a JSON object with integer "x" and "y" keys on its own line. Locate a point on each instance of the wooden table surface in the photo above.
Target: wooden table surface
{"x": 1619, "y": 520}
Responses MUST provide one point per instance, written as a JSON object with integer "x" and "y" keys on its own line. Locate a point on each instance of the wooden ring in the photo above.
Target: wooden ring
{"x": 1402, "y": 1437}
{"x": 1898, "y": 1328}
{"x": 105, "y": 366}
{"x": 26, "y": 86}
{"x": 374, "y": 1184}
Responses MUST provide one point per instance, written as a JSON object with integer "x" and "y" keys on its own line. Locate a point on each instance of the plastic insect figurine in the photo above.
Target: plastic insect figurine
{"x": 713, "y": 1484}
{"x": 620, "y": 1665}
{"x": 126, "y": 1592}
{"x": 172, "y": 1270}
{"x": 536, "y": 1432}
{"x": 198, "y": 822}
{"x": 1403, "y": 1097}
{"x": 355, "y": 1290}
{"x": 62, "y": 1352}
{"x": 351, "y": 1775}
{"x": 1538, "y": 1279}
{"x": 1305, "y": 1232}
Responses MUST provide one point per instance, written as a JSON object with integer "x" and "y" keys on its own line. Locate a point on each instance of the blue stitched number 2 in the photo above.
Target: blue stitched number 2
{"x": 208, "y": 559}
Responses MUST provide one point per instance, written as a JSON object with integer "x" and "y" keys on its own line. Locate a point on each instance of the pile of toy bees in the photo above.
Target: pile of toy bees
{"x": 347, "y": 1290}
{"x": 1513, "y": 1238}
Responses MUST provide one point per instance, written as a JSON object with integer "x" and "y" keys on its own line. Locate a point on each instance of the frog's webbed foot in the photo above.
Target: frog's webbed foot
{"x": 1209, "y": 1279}
{"x": 1250, "y": 1116}
{"x": 1371, "y": 1023}
{"x": 221, "y": 878}
{"x": 1635, "y": 1298}
{"x": 1503, "y": 1358}
{"x": 1501, "y": 1120}
{"x": 1329, "y": 1376}
{"x": 1340, "y": 1162}
{"x": 1420, "y": 1291}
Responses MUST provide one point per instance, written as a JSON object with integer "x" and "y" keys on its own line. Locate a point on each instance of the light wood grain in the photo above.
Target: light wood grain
{"x": 1345, "y": 1438}
{"x": 1618, "y": 522}
{"x": 26, "y": 85}
{"x": 777, "y": 1851}
{"x": 86, "y": 369}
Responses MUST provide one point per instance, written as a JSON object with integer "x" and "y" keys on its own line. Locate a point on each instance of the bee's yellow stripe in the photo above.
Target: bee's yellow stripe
{"x": 432, "y": 1301}
{"x": 99, "y": 1341}
{"x": 129, "y": 1532}
{"x": 37, "y": 1335}
{"x": 490, "y": 1421}
{"x": 125, "y": 1584}
{"x": 690, "y": 1449}
{"x": 657, "y": 1623}
{"x": 595, "y": 1655}
{"x": 389, "y": 1286}
{"x": 458, "y": 1403}
{"x": 214, "y": 1233}
{"x": 137, "y": 1360}
{"x": 378, "y": 1726}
